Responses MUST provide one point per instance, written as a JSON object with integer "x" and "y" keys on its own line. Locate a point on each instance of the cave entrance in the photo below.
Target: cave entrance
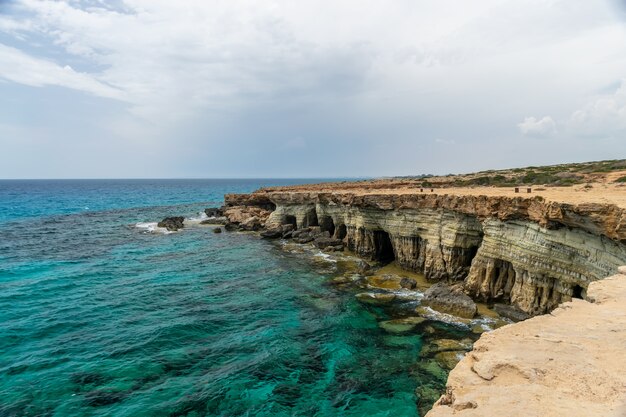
{"x": 289, "y": 219}
{"x": 577, "y": 292}
{"x": 342, "y": 231}
{"x": 383, "y": 249}
{"x": 310, "y": 219}
{"x": 327, "y": 225}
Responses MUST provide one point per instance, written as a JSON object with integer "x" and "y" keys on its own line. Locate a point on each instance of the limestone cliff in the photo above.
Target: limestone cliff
{"x": 569, "y": 363}
{"x": 530, "y": 252}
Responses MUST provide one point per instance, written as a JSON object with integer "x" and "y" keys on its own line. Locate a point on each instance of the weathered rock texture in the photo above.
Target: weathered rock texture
{"x": 569, "y": 363}
{"x": 528, "y": 252}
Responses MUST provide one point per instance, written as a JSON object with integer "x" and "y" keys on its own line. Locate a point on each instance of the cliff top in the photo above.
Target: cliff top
{"x": 568, "y": 363}
{"x": 592, "y": 182}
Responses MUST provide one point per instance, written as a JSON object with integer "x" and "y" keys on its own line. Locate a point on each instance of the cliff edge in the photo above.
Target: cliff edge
{"x": 570, "y": 363}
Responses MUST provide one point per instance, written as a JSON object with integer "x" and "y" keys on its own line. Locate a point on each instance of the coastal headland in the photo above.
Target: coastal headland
{"x": 500, "y": 238}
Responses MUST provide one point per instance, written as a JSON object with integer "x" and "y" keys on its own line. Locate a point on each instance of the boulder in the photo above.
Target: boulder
{"x": 303, "y": 238}
{"x": 214, "y": 212}
{"x": 408, "y": 283}
{"x": 172, "y": 223}
{"x": 362, "y": 267}
{"x": 300, "y": 232}
{"x": 217, "y": 230}
{"x": 324, "y": 242}
{"x": 231, "y": 227}
{"x": 272, "y": 233}
{"x": 450, "y": 299}
{"x": 510, "y": 312}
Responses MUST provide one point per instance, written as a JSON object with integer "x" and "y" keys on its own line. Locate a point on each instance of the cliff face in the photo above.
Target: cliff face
{"x": 569, "y": 363}
{"x": 526, "y": 251}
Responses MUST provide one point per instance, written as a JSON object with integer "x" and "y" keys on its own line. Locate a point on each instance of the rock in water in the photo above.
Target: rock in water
{"x": 272, "y": 233}
{"x": 510, "y": 312}
{"x": 217, "y": 230}
{"x": 450, "y": 299}
{"x": 375, "y": 298}
{"x": 214, "y": 212}
{"x": 172, "y": 223}
{"x": 325, "y": 242}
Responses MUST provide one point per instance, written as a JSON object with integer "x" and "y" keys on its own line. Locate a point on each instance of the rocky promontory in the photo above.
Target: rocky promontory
{"x": 527, "y": 251}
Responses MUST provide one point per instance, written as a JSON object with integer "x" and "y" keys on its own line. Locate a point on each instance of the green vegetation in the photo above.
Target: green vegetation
{"x": 621, "y": 179}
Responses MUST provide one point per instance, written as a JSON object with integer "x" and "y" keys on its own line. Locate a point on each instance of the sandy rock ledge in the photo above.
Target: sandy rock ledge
{"x": 569, "y": 363}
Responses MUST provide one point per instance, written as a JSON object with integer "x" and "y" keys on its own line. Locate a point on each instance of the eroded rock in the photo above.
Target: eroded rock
{"x": 172, "y": 223}
{"x": 450, "y": 300}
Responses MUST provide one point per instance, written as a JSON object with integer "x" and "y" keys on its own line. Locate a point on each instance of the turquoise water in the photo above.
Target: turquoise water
{"x": 99, "y": 318}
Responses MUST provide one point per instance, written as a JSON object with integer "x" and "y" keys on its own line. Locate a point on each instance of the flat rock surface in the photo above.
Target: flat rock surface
{"x": 570, "y": 363}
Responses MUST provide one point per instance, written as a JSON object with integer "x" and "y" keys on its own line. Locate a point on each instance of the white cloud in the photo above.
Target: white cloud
{"x": 241, "y": 77}
{"x": 602, "y": 116}
{"x": 21, "y": 68}
{"x": 537, "y": 127}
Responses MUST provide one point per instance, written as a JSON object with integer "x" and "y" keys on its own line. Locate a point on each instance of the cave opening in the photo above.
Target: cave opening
{"x": 577, "y": 292}
{"x": 327, "y": 224}
{"x": 383, "y": 249}
{"x": 310, "y": 218}
{"x": 342, "y": 231}
{"x": 289, "y": 219}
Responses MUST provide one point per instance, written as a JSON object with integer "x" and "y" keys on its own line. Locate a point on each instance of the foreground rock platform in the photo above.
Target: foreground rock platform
{"x": 569, "y": 363}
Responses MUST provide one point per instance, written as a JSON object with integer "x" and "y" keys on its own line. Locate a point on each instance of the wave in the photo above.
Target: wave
{"x": 151, "y": 227}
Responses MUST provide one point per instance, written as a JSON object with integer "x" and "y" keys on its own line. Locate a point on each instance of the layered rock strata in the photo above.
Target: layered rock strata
{"x": 568, "y": 363}
{"x": 528, "y": 252}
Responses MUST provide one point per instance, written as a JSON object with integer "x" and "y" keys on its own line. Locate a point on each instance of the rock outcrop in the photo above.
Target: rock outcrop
{"x": 450, "y": 300}
{"x": 172, "y": 223}
{"x": 527, "y": 252}
{"x": 568, "y": 363}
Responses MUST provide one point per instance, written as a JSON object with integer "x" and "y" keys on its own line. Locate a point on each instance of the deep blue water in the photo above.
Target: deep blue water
{"x": 100, "y": 318}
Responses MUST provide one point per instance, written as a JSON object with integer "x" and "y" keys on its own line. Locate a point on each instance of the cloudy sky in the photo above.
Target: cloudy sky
{"x": 324, "y": 88}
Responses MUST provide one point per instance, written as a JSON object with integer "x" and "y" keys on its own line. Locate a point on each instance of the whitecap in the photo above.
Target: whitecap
{"x": 196, "y": 219}
{"x": 151, "y": 227}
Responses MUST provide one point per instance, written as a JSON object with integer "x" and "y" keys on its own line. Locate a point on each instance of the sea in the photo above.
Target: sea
{"x": 102, "y": 315}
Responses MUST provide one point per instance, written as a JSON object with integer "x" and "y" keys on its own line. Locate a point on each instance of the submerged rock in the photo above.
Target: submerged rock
{"x": 449, "y": 359}
{"x": 172, "y": 223}
{"x": 450, "y": 299}
{"x": 217, "y": 230}
{"x": 401, "y": 325}
{"x": 373, "y": 298}
{"x": 390, "y": 282}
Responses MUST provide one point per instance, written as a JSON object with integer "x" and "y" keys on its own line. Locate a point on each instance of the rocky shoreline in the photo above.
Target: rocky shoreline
{"x": 523, "y": 257}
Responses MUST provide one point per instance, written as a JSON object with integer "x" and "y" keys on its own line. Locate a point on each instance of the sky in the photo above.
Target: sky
{"x": 324, "y": 88}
